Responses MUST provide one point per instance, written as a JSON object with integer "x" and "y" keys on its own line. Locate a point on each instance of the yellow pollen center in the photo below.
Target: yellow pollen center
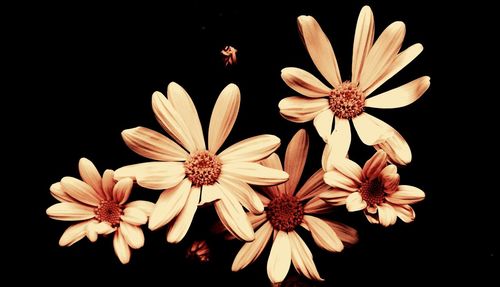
{"x": 203, "y": 168}
{"x": 372, "y": 191}
{"x": 110, "y": 212}
{"x": 347, "y": 101}
{"x": 285, "y": 213}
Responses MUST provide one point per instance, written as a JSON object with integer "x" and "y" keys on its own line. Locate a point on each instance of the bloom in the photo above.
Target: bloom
{"x": 285, "y": 211}
{"x": 192, "y": 175}
{"x": 372, "y": 65}
{"x": 374, "y": 188}
{"x": 100, "y": 205}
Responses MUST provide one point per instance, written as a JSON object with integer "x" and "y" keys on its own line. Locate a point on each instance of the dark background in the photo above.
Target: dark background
{"x": 88, "y": 72}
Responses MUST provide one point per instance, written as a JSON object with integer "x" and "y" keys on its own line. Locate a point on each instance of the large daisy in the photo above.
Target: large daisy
{"x": 192, "y": 175}
{"x": 372, "y": 65}
{"x": 101, "y": 206}
{"x": 285, "y": 211}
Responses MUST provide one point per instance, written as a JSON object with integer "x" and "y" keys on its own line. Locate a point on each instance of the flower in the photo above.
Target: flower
{"x": 374, "y": 188}
{"x": 100, "y": 205}
{"x": 229, "y": 55}
{"x": 285, "y": 211}
{"x": 372, "y": 65}
{"x": 192, "y": 175}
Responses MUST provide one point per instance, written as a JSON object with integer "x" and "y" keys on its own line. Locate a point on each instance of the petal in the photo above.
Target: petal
{"x": 169, "y": 204}
{"x": 251, "y": 250}
{"x": 183, "y": 221}
{"x": 80, "y": 191}
{"x": 145, "y": 206}
{"x": 122, "y": 190}
{"x": 302, "y": 257}
{"x": 400, "y": 96}
{"x": 346, "y": 234}
{"x": 372, "y": 218}
{"x": 363, "y": 41}
{"x": 121, "y": 247}
{"x": 301, "y": 109}
{"x": 279, "y": 258}
{"x": 338, "y": 180}
{"x": 323, "y": 124}
{"x": 390, "y": 178}
{"x": 355, "y": 202}
{"x": 234, "y": 218}
{"x": 317, "y": 206}
{"x": 94, "y": 228}
{"x": 58, "y": 193}
{"x": 223, "y": 117}
{"x": 133, "y": 235}
{"x": 254, "y": 173}
{"x": 386, "y": 214}
{"x": 244, "y": 194}
{"x": 368, "y": 130}
{"x": 171, "y": 121}
{"x": 108, "y": 183}
{"x": 335, "y": 197}
{"x": 406, "y": 194}
{"x": 251, "y": 150}
{"x": 382, "y": 54}
{"x": 91, "y": 176}
{"x": 394, "y": 145}
{"x": 337, "y": 144}
{"x": 153, "y": 145}
{"x": 70, "y": 211}
{"x": 350, "y": 169}
{"x": 404, "y": 212}
{"x": 304, "y": 83}
{"x": 153, "y": 175}
{"x": 320, "y": 49}
{"x": 134, "y": 215}
{"x": 273, "y": 161}
{"x": 74, "y": 233}
{"x": 257, "y": 220}
{"x": 209, "y": 193}
{"x": 323, "y": 234}
{"x": 374, "y": 166}
{"x": 295, "y": 159}
{"x": 183, "y": 104}
{"x": 313, "y": 186}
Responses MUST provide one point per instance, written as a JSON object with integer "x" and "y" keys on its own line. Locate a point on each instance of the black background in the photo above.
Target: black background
{"x": 87, "y": 73}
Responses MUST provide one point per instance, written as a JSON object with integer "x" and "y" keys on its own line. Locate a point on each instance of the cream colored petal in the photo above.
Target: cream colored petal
{"x": 280, "y": 257}
{"x": 169, "y": 204}
{"x": 335, "y": 197}
{"x": 404, "y": 212}
{"x": 234, "y": 218}
{"x": 406, "y": 194}
{"x": 346, "y": 234}
{"x": 108, "y": 183}
{"x": 223, "y": 117}
{"x": 70, "y": 211}
{"x": 80, "y": 191}
{"x": 74, "y": 233}
{"x": 171, "y": 121}
{"x": 122, "y": 190}
{"x": 251, "y": 150}
{"x": 337, "y": 145}
{"x": 320, "y": 49}
{"x": 94, "y": 228}
{"x": 145, "y": 206}
{"x": 393, "y": 144}
{"x": 386, "y": 214}
{"x": 368, "y": 130}
{"x": 153, "y": 175}
{"x": 317, "y": 206}
{"x": 372, "y": 209}
{"x": 58, "y": 193}
{"x": 273, "y": 161}
{"x": 400, "y": 96}
{"x": 390, "y": 178}
{"x": 374, "y": 166}
{"x": 354, "y": 202}
{"x": 153, "y": 145}
{"x": 301, "y": 109}
{"x": 350, "y": 169}
{"x": 323, "y": 234}
{"x": 323, "y": 123}
{"x": 183, "y": 104}
{"x": 91, "y": 176}
{"x": 121, "y": 247}
{"x": 251, "y": 250}
{"x": 382, "y": 54}
{"x": 244, "y": 194}
{"x": 402, "y": 59}
{"x": 183, "y": 221}
{"x": 302, "y": 257}
{"x": 363, "y": 41}
{"x": 134, "y": 215}
{"x": 295, "y": 159}
{"x": 209, "y": 193}
{"x": 254, "y": 173}
{"x": 133, "y": 235}
{"x": 372, "y": 218}
{"x": 304, "y": 83}
{"x": 338, "y": 180}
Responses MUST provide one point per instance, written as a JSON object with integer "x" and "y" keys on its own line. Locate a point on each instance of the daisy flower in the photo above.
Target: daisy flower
{"x": 192, "y": 175}
{"x": 100, "y": 206}
{"x": 372, "y": 65}
{"x": 285, "y": 211}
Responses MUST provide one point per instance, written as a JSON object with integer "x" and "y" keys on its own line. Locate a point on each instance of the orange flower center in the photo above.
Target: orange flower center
{"x": 203, "y": 168}
{"x": 285, "y": 213}
{"x": 109, "y": 211}
{"x": 347, "y": 101}
{"x": 372, "y": 191}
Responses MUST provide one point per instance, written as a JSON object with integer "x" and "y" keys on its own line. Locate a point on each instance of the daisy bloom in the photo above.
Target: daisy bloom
{"x": 99, "y": 204}
{"x": 372, "y": 65}
{"x": 374, "y": 189}
{"x": 285, "y": 211}
{"x": 192, "y": 175}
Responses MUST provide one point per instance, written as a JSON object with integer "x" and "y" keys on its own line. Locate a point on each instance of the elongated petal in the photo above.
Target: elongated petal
{"x": 368, "y": 130}
{"x": 153, "y": 145}
{"x": 251, "y": 250}
{"x": 390, "y": 178}
{"x": 400, "y": 96}
{"x": 337, "y": 145}
{"x": 58, "y": 193}
{"x": 251, "y": 150}
{"x": 108, "y": 183}
{"x": 372, "y": 218}
{"x": 312, "y": 186}
{"x": 374, "y": 166}
{"x": 134, "y": 215}
{"x": 169, "y": 204}
{"x": 274, "y": 162}
{"x": 70, "y": 211}
{"x": 338, "y": 180}
{"x": 335, "y": 197}
{"x": 355, "y": 202}
{"x": 386, "y": 214}
{"x": 145, "y": 206}
{"x": 323, "y": 123}
{"x": 295, "y": 159}
{"x": 80, "y": 191}
{"x": 223, "y": 117}
{"x": 350, "y": 169}
{"x": 404, "y": 212}
{"x": 394, "y": 145}
{"x": 406, "y": 194}
{"x": 94, "y": 228}
{"x": 209, "y": 193}
{"x": 122, "y": 190}
{"x": 183, "y": 221}
{"x": 74, "y": 233}
{"x": 304, "y": 83}
{"x": 232, "y": 215}
{"x": 317, "y": 206}
{"x": 91, "y": 176}
{"x": 121, "y": 247}
{"x": 254, "y": 173}
{"x": 363, "y": 41}
{"x": 153, "y": 175}
{"x": 244, "y": 194}
{"x": 320, "y": 49}
{"x": 301, "y": 109}
{"x": 302, "y": 257}
{"x": 280, "y": 257}
{"x": 323, "y": 234}
{"x": 346, "y": 234}
{"x": 132, "y": 234}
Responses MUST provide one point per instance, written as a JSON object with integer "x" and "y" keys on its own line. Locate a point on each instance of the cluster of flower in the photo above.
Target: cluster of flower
{"x": 192, "y": 175}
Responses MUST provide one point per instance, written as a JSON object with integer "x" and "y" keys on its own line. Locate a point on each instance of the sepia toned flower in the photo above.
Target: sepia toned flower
{"x": 229, "y": 55}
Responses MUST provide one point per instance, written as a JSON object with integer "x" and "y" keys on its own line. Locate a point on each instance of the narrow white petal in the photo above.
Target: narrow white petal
{"x": 134, "y": 215}
{"x": 183, "y": 221}
{"x": 234, "y": 218}
{"x": 304, "y": 82}
{"x": 280, "y": 257}
{"x": 301, "y": 109}
{"x": 58, "y": 193}
{"x": 74, "y": 233}
{"x": 80, "y": 191}
{"x": 302, "y": 257}
{"x": 169, "y": 204}
{"x": 368, "y": 130}
{"x": 363, "y": 41}
{"x": 251, "y": 250}
{"x": 223, "y": 117}
{"x": 209, "y": 193}
{"x": 121, "y": 247}
{"x": 244, "y": 194}
{"x": 355, "y": 202}
{"x": 251, "y": 150}
{"x": 132, "y": 234}
{"x": 406, "y": 194}
{"x": 400, "y": 96}
{"x": 153, "y": 175}
{"x": 386, "y": 214}
{"x": 323, "y": 123}
{"x": 122, "y": 190}
{"x": 145, "y": 206}
{"x": 91, "y": 176}
{"x": 404, "y": 212}
{"x": 324, "y": 236}
{"x": 70, "y": 211}
{"x": 254, "y": 173}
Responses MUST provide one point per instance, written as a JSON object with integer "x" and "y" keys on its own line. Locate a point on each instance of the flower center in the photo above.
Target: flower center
{"x": 285, "y": 213}
{"x": 110, "y": 212}
{"x": 372, "y": 191}
{"x": 347, "y": 101}
{"x": 203, "y": 168}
